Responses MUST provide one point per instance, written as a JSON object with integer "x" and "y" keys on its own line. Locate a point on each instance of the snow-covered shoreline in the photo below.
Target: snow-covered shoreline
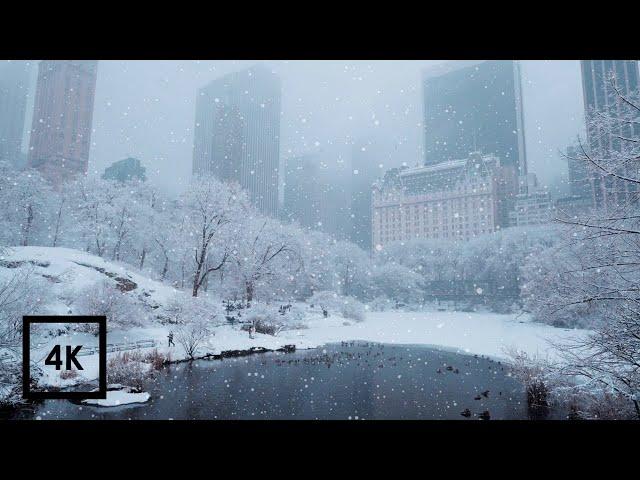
{"x": 66, "y": 271}
{"x": 467, "y": 333}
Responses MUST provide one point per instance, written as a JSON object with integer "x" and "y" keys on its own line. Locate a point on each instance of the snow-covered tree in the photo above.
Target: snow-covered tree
{"x": 262, "y": 254}
{"x": 598, "y": 268}
{"x": 209, "y": 207}
{"x": 25, "y": 204}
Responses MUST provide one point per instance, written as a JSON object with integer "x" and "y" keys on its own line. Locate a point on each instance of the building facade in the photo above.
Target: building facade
{"x": 474, "y": 106}
{"x": 62, "y": 118}
{"x": 600, "y": 80}
{"x": 237, "y": 133}
{"x": 453, "y": 200}
{"x": 14, "y": 90}
{"x": 532, "y": 208}
{"x": 579, "y": 175}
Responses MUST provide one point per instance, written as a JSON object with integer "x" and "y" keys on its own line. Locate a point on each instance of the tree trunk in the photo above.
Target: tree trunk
{"x": 142, "y": 257}
{"x": 27, "y": 229}
{"x": 55, "y": 235}
{"x": 165, "y": 267}
{"x": 249, "y": 292}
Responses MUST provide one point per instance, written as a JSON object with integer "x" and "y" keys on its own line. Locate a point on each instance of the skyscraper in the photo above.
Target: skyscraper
{"x": 474, "y": 106}
{"x": 14, "y": 89}
{"x": 237, "y": 133}
{"x": 62, "y": 118}
{"x": 600, "y": 79}
{"x": 579, "y": 176}
{"x": 366, "y": 158}
{"x": 302, "y": 191}
{"x": 317, "y": 193}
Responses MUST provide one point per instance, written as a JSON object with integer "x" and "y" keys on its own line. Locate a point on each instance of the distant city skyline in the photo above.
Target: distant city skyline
{"x": 145, "y": 109}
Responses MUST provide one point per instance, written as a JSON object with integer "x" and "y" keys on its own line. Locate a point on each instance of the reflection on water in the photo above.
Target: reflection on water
{"x": 341, "y": 381}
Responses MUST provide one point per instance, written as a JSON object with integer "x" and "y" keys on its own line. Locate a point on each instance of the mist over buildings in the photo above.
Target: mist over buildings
{"x": 146, "y": 110}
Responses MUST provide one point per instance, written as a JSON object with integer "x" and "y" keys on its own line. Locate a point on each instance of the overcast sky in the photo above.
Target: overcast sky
{"x": 146, "y": 109}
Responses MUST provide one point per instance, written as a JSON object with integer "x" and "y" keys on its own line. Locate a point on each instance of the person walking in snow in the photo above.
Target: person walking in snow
{"x": 170, "y": 337}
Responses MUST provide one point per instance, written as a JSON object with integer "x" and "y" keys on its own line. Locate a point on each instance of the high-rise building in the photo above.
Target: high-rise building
{"x": 474, "y": 106}
{"x": 237, "y": 133}
{"x": 302, "y": 191}
{"x": 600, "y": 80}
{"x": 579, "y": 175}
{"x": 62, "y": 118}
{"x": 317, "y": 193}
{"x": 14, "y": 89}
{"x": 366, "y": 158}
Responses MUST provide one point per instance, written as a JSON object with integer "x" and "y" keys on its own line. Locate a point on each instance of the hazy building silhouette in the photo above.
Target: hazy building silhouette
{"x": 62, "y": 118}
{"x": 125, "y": 170}
{"x": 14, "y": 89}
{"x": 366, "y": 158}
{"x": 302, "y": 191}
{"x": 474, "y": 106}
{"x": 317, "y": 192}
{"x": 237, "y": 133}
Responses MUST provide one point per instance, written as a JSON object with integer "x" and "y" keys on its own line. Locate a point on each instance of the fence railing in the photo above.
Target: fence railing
{"x": 119, "y": 347}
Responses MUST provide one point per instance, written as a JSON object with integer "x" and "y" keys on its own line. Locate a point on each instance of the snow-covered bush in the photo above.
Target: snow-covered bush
{"x": 265, "y": 319}
{"x": 183, "y": 308}
{"x": 103, "y": 298}
{"x": 191, "y": 335}
{"x": 128, "y": 368}
{"x": 397, "y": 282}
{"x": 381, "y": 303}
{"x": 548, "y": 290}
{"x": 348, "y": 307}
{"x": 21, "y": 293}
{"x": 353, "y": 309}
{"x": 295, "y": 317}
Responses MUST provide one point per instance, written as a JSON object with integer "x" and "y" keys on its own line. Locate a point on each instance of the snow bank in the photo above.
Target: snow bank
{"x": 68, "y": 270}
{"x": 116, "y": 398}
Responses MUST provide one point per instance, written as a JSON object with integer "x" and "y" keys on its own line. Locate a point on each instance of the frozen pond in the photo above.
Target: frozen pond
{"x": 341, "y": 381}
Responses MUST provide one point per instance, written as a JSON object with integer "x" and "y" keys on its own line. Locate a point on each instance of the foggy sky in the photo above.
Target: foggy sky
{"x": 146, "y": 109}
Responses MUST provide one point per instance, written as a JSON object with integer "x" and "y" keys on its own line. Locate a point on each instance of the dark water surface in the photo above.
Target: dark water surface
{"x": 349, "y": 381}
